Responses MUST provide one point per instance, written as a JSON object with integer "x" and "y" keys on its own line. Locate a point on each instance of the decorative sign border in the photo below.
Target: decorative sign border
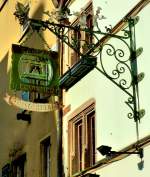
{"x": 28, "y": 82}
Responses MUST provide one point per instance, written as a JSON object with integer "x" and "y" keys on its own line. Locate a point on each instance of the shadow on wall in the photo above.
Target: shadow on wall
{"x": 35, "y": 41}
{"x": 3, "y": 76}
{"x": 6, "y": 112}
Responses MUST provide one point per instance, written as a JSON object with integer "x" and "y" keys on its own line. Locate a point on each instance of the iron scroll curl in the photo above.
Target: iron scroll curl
{"x": 118, "y": 61}
{"x": 121, "y": 67}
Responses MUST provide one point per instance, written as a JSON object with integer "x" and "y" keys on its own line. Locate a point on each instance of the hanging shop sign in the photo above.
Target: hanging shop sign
{"x": 30, "y": 106}
{"x": 34, "y": 70}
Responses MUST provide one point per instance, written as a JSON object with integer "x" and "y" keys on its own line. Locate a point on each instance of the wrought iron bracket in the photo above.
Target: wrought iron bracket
{"x": 118, "y": 49}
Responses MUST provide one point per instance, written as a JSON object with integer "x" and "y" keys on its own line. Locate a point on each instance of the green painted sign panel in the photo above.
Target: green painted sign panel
{"x": 34, "y": 70}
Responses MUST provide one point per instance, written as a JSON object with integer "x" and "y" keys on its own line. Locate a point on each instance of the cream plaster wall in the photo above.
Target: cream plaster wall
{"x": 127, "y": 167}
{"x": 113, "y": 128}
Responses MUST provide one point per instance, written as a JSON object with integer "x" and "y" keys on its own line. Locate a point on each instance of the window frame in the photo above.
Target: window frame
{"x": 45, "y": 157}
{"x": 6, "y": 170}
{"x": 72, "y": 126}
{"x": 19, "y": 164}
{"x": 73, "y": 57}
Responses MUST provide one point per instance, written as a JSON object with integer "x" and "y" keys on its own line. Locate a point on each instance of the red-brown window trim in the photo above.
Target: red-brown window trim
{"x": 81, "y": 114}
{"x": 74, "y": 57}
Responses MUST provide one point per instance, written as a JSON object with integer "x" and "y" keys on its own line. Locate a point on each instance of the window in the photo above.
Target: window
{"x": 45, "y": 157}
{"x": 82, "y": 140}
{"x": 6, "y": 171}
{"x": 74, "y": 56}
{"x": 88, "y": 36}
{"x": 81, "y": 38}
{"x": 18, "y": 166}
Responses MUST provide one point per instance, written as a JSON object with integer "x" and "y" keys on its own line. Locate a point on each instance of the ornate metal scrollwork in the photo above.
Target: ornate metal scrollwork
{"x": 130, "y": 103}
{"x": 117, "y": 60}
{"x": 22, "y": 12}
{"x": 119, "y": 64}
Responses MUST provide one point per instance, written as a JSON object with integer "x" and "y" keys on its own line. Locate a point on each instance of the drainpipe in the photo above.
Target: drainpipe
{"x": 60, "y": 172}
{"x": 59, "y": 117}
{"x": 60, "y": 114}
{"x": 59, "y": 139}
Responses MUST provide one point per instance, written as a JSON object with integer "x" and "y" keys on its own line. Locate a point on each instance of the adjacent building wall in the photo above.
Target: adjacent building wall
{"x": 16, "y": 135}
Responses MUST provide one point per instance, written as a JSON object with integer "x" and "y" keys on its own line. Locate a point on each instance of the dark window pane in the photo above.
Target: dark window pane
{"x": 45, "y": 157}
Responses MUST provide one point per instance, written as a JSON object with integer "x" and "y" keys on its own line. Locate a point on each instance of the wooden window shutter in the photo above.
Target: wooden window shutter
{"x": 89, "y": 153}
{"x": 88, "y": 36}
{"x": 74, "y": 57}
{"x": 81, "y": 140}
{"x": 77, "y": 160}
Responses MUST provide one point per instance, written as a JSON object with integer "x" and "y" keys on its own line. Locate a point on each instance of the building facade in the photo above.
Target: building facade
{"x": 102, "y": 125}
{"x": 27, "y": 148}
{"x": 96, "y": 109}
